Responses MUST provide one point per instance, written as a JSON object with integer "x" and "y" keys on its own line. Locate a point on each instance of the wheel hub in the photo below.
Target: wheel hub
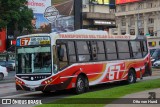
{"x": 80, "y": 84}
{"x": 131, "y": 78}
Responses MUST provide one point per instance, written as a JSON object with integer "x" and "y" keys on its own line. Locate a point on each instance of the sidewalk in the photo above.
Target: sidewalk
{"x": 143, "y": 94}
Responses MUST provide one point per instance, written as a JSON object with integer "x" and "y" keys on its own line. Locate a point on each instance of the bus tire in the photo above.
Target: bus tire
{"x": 80, "y": 84}
{"x": 131, "y": 77}
{"x": 86, "y": 84}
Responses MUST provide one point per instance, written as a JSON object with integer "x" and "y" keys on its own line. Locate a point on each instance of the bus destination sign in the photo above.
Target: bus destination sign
{"x": 33, "y": 41}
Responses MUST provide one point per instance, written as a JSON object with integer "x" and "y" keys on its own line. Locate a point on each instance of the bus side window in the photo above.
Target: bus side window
{"x": 123, "y": 49}
{"x": 83, "y": 51}
{"x": 144, "y": 48}
{"x": 111, "y": 50}
{"x": 136, "y": 49}
{"x": 100, "y": 51}
{"x": 62, "y": 55}
{"x": 72, "y": 52}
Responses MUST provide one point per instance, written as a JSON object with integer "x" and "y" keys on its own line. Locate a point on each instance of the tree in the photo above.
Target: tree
{"x": 15, "y": 15}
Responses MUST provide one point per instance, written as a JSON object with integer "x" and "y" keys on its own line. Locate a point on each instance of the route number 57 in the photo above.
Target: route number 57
{"x": 114, "y": 70}
{"x": 25, "y": 41}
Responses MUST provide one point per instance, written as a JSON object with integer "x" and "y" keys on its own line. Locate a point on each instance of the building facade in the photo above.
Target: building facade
{"x": 138, "y": 18}
{"x": 97, "y": 15}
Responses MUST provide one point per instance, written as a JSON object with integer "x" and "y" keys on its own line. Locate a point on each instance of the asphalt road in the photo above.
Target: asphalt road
{"x": 7, "y": 90}
{"x": 11, "y": 75}
{"x": 9, "y": 78}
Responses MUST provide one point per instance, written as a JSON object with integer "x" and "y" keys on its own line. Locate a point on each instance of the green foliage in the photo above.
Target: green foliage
{"x": 15, "y": 15}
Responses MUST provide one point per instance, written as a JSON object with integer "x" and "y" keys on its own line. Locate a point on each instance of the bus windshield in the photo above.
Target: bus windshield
{"x": 34, "y": 60}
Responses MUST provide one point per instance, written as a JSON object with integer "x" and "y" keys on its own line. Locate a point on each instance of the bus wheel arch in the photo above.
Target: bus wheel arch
{"x": 82, "y": 83}
{"x": 131, "y": 76}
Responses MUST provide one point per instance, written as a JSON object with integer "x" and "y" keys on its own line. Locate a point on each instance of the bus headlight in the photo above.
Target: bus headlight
{"x": 19, "y": 81}
{"x": 48, "y": 81}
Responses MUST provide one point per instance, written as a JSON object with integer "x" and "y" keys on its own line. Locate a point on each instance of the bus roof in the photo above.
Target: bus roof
{"x": 86, "y": 34}
{"x": 32, "y": 35}
{"x": 92, "y": 34}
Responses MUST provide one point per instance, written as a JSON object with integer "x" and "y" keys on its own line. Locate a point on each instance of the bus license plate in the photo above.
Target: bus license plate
{"x": 32, "y": 89}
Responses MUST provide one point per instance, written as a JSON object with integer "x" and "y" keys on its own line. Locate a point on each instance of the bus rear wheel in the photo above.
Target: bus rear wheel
{"x": 131, "y": 76}
{"x": 82, "y": 84}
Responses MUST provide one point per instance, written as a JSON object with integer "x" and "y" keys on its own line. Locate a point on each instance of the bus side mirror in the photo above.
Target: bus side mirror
{"x": 61, "y": 52}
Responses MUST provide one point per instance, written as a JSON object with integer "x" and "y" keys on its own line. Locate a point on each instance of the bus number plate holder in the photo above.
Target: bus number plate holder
{"x": 32, "y": 89}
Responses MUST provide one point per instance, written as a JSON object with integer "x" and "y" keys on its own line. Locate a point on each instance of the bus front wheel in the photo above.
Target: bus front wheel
{"x": 131, "y": 76}
{"x": 82, "y": 84}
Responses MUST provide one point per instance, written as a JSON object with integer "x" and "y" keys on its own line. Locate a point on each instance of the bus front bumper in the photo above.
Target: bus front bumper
{"x": 39, "y": 88}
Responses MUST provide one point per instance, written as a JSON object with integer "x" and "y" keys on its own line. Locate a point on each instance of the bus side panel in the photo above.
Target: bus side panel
{"x": 115, "y": 71}
{"x": 54, "y": 85}
{"x": 98, "y": 73}
{"x": 139, "y": 66}
{"x": 71, "y": 74}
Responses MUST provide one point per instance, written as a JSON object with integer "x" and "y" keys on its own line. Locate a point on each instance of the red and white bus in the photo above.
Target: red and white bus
{"x": 79, "y": 59}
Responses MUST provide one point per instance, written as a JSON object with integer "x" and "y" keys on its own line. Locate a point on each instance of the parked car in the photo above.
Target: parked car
{"x": 10, "y": 64}
{"x": 155, "y": 56}
{"x": 152, "y": 51}
{"x": 3, "y": 72}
